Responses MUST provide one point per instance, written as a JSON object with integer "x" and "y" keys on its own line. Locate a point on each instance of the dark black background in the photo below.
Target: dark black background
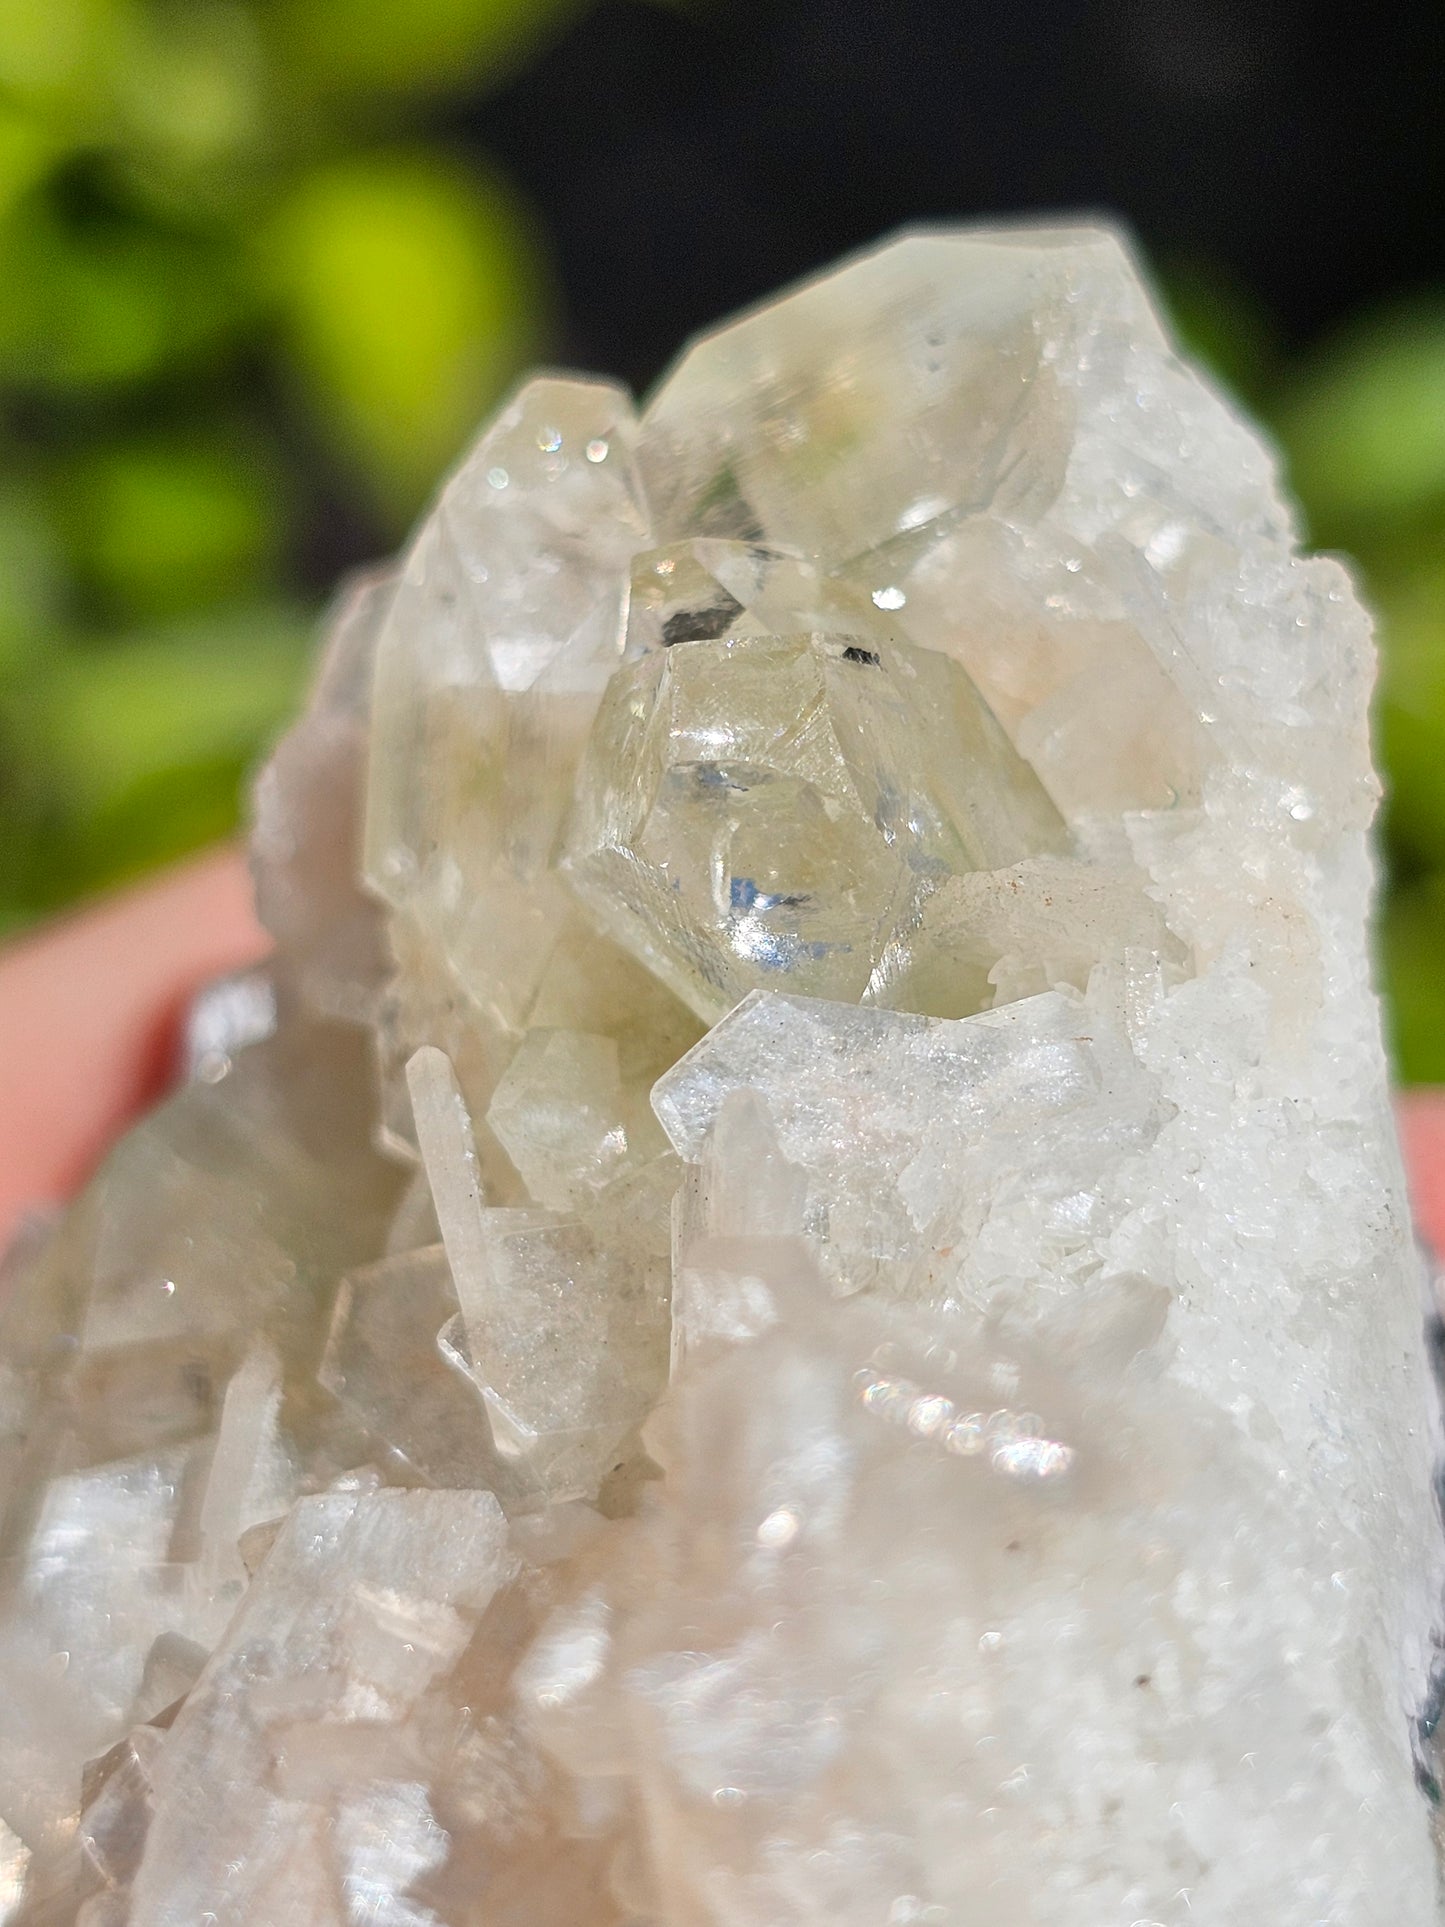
{"x": 687, "y": 161}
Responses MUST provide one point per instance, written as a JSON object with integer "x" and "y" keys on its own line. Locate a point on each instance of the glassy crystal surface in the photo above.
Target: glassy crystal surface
{"x": 382, "y": 1362}
{"x": 757, "y": 808}
{"x": 789, "y": 1302}
{"x": 306, "y": 829}
{"x": 558, "y": 1113}
{"x": 902, "y": 1128}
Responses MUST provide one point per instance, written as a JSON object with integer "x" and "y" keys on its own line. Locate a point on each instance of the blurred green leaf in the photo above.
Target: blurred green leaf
{"x": 170, "y": 95}
{"x": 162, "y": 523}
{"x": 53, "y": 855}
{"x": 196, "y": 83}
{"x": 113, "y": 716}
{"x": 93, "y": 304}
{"x": 409, "y": 291}
{"x": 183, "y": 209}
{"x": 126, "y": 754}
{"x": 1412, "y": 947}
{"x": 32, "y": 590}
{"x": 194, "y": 103}
{"x": 28, "y": 149}
{"x": 163, "y": 816}
{"x": 378, "y": 47}
{"x": 61, "y": 54}
{"x": 1410, "y": 713}
{"x": 1220, "y": 324}
{"x": 1363, "y": 424}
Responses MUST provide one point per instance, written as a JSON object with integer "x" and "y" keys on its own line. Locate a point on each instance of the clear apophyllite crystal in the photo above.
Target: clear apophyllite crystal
{"x": 782, "y": 807}
{"x": 791, "y": 1303}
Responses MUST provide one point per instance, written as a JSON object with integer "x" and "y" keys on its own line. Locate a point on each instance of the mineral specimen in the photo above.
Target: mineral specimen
{"x": 789, "y": 1305}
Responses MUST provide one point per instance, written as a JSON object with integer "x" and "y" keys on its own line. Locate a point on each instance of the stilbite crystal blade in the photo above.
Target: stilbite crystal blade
{"x": 306, "y": 829}
{"x": 449, "y": 1156}
{"x": 362, "y": 1602}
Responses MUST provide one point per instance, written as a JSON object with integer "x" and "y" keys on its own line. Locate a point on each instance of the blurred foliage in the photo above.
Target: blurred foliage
{"x": 250, "y": 306}
{"x": 393, "y": 380}
{"x": 252, "y": 303}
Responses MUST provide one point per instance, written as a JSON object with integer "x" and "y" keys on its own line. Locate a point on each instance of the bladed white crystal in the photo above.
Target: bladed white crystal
{"x": 362, "y": 1602}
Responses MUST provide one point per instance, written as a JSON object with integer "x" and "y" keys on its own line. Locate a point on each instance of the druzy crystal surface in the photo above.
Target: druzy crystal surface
{"x": 789, "y": 1305}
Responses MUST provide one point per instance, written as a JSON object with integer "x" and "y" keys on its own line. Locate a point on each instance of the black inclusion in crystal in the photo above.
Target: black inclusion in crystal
{"x": 702, "y": 624}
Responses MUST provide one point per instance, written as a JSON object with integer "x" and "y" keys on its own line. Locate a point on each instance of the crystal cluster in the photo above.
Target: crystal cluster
{"x": 789, "y": 1305}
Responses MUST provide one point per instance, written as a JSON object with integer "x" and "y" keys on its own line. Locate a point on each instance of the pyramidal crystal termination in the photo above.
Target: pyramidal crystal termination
{"x": 790, "y": 1305}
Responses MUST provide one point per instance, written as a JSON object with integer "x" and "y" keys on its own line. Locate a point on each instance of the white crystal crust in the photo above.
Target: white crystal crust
{"x": 790, "y": 1302}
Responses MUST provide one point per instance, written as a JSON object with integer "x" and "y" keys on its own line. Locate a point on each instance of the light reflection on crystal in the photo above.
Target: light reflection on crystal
{"x": 757, "y": 806}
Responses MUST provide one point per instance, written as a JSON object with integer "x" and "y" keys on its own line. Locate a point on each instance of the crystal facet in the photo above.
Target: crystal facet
{"x": 782, "y": 807}
{"x": 789, "y": 1302}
